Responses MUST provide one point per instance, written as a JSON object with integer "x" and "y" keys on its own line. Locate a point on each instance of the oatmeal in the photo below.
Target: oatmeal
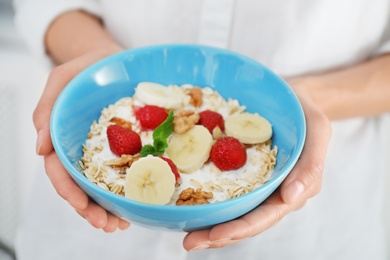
{"x": 178, "y": 145}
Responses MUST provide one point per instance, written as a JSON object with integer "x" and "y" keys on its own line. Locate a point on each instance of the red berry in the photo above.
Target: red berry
{"x": 228, "y": 153}
{"x": 150, "y": 116}
{"x": 211, "y": 119}
{"x": 174, "y": 169}
{"x": 123, "y": 141}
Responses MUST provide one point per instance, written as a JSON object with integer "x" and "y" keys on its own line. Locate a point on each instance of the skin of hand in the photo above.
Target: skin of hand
{"x": 73, "y": 56}
{"x": 61, "y": 180}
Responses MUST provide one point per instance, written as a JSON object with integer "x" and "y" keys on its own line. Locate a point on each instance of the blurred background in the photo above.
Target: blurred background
{"x": 22, "y": 79}
{"x": 21, "y": 82}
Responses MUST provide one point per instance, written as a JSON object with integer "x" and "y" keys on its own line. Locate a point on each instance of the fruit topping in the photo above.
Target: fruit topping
{"x": 150, "y": 180}
{"x": 159, "y": 95}
{"x": 189, "y": 151}
{"x": 123, "y": 141}
{"x": 228, "y": 153}
{"x": 160, "y": 135}
{"x": 150, "y": 116}
{"x": 211, "y": 119}
{"x": 174, "y": 169}
{"x": 248, "y": 128}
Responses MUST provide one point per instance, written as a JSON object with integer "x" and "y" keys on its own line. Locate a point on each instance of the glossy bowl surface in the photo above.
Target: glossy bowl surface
{"x": 231, "y": 74}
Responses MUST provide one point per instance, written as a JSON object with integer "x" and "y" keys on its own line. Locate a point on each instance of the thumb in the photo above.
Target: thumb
{"x": 58, "y": 78}
{"x": 42, "y": 112}
{"x": 303, "y": 181}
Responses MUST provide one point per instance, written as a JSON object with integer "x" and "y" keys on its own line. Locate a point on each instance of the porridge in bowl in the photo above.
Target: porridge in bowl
{"x": 178, "y": 145}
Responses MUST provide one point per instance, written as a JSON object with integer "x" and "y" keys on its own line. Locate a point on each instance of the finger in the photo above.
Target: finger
{"x": 259, "y": 219}
{"x": 311, "y": 192}
{"x": 112, "y": 223}
{"x": 64, "y": 184}
{"x": 43, "y": 142}
{"x": 71, "y": 192}
{"x": 57, "y": 80}
{"x": 123, "y": 224}
{"x": 94, "y": 214}
{"x": 263, "y": 217}
{"x": 199, "y": 240}
{"x": 309, "y": 167}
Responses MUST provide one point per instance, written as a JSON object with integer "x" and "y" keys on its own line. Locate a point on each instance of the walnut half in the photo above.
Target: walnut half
{"x": 122, "y": 162}
{"x": 190, "y": 196}
{"x": 184, "y": 120}
{"x": 120, "y": 121}
{"x": 196, "y": 97}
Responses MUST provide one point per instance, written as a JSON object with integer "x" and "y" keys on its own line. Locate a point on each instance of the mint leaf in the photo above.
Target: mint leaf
{"x": 165, "y": 129}
{"x": 160, "y": 135}
{"x": 146, "y": 150}
{"x": 160, "y": 145}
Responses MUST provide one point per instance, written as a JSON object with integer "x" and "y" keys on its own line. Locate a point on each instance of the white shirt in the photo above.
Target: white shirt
{"x": 292, "y": 38}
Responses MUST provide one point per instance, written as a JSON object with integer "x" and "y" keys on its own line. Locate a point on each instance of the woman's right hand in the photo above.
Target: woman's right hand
{"x": 74, "y": 40}
{"x": 59, "y": 177}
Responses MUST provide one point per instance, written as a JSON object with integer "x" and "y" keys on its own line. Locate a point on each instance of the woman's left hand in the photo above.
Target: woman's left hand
{"x": 303, "y": 182}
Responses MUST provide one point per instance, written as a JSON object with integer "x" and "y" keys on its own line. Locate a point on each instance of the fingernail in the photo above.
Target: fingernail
{"x": 294, "y": 191}
{"x": 39, "y": 142}
{"x": 200, "y": 247}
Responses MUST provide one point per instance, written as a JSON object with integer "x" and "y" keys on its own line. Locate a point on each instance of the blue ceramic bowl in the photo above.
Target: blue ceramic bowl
{"x": 231, "y": 74}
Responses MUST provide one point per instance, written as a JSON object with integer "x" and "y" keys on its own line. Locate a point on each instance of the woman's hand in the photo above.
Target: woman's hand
{"x": 61, "y": 180}
{"x": 354, "y": 91}
{"x": 74, "y": 40}
{"x": 303, "y": 182}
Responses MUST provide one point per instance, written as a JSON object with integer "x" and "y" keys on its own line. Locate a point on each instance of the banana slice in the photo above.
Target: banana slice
{"x": 150, "y": 180}
{"x": 189, "y": 151}
{"x": 159, "y": 95}
{"x": 248, "y": 128}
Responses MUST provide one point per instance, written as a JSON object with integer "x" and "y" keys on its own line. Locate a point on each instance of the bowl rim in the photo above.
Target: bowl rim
{"x": 78, "y": 175}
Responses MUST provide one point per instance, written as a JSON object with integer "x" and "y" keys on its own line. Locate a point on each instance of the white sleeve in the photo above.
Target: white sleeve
{"x": 384, "y": 46}
{"x": 33, "y": 17}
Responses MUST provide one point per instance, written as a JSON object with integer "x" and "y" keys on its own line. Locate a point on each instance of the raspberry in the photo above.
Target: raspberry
{"x": 123, "y": 141}
{"x": 150, "y": 116}
{"x": 228, "y": 153}
{"x": 211, "y": 119}
{"x": 174, "y": 169}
